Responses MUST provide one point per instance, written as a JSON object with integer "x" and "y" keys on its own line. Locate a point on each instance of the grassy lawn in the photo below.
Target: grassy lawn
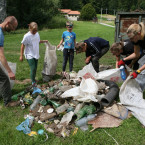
{"x": 130, "y": 132}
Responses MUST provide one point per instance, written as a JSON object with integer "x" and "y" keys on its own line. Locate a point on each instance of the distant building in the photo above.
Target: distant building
{"x": 70, "y": 15}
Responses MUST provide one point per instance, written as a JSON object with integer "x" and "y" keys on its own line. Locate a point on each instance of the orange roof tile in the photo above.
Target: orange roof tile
{"x": 65, "y": 10}
{"x": 74, "y": 13}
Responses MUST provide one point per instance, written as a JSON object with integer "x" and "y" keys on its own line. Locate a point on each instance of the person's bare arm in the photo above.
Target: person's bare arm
{"x": 134, "y": 55}
{"x": 21, "y": 52}
{"x": 61, "y": 41}
{"x": 117, "y": 60}
{"x": 5, "y": 64}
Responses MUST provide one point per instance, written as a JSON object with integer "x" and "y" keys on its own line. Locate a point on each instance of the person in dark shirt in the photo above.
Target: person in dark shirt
{"x": 136, "y": 34}
{"x": 95, "y": 48}
{"x": 122, "y": 50}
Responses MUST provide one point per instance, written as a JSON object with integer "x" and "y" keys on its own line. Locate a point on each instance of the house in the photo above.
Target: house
{"x": 70, "y": 15}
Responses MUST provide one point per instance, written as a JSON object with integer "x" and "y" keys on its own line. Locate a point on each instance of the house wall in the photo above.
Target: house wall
{"x": 72, "y": 18}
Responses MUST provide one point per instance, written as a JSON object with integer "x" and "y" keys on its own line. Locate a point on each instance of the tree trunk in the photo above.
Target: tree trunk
{"x": 2, "y": 10}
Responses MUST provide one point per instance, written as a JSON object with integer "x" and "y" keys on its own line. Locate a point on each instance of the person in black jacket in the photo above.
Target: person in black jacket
{"x": 95, "y": 48}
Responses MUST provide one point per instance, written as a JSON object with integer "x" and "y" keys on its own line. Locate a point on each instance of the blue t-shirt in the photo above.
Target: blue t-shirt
{"x": 1, "y": 38}
{"x": 69, "y": 38}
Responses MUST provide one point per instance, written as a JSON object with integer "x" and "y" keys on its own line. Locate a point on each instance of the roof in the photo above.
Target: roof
{"x": 65, "y": 10}
{"x": 74, "y": 13}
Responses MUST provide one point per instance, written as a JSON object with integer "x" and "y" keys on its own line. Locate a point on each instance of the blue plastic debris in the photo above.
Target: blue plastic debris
{"x": 24, "y": 126}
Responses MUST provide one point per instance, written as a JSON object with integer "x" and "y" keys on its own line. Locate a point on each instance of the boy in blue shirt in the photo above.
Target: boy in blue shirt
{"x": 69, "y": 38}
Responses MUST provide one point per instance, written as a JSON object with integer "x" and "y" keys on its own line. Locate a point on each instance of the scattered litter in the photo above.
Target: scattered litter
{"x": 73, "y": 100}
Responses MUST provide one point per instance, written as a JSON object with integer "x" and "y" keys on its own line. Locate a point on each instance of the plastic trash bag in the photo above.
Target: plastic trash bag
{"x": 131, "y": 96}
{"x": 88, "y": 72}
{"x": 84, "y": 93}
{"x": 110, "y": 74}
{"x": 13, "y": 68}
{"x": 141, "y": 77}
{"x": 50, "y": 62}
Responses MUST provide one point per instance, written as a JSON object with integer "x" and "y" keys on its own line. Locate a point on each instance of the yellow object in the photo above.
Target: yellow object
{"x": 138, "y": 71}
{"x": 32, "y": 133}
{"x": 75, "y": 130}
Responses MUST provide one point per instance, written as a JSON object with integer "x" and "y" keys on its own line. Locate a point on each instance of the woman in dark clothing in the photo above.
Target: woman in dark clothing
{"x": 136, "y": 34}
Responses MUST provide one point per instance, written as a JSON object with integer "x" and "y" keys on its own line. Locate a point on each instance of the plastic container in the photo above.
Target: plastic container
{"x": 83, "y": 121}
{"x": 122, "y": 72}
{"x": 62, "y": 108}
{"x": 35, "y": 102}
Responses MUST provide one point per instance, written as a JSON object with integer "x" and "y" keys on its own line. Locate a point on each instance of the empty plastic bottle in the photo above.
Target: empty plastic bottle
{"x": 122, "y": 72}
{"x": 83, "y": 121}
{"x": 35, "y": 102}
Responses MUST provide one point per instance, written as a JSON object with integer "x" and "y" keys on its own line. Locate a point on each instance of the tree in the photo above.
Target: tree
{"x": 88, "y": 12}
{"x": 27, "y": 11}
{"x": 2, "y": 10}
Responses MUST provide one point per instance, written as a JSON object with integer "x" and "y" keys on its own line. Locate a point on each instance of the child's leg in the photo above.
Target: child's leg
{"x": 65, "y": 58}
{"x": 33, "y": 66}
{"x": 71, "y": 58}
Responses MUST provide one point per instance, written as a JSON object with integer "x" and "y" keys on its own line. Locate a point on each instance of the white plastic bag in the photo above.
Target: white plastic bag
{"x": 50, "y": 60}
{"x": 110, "y": 74}
{"x": 131, "y": 96}
{"x": 13, "y": 68}
{"x": 88, "y": 72}
{"x": 84, "y": 93}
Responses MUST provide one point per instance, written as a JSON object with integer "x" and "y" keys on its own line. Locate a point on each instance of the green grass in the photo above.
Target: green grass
{"x": 129, "y": 133}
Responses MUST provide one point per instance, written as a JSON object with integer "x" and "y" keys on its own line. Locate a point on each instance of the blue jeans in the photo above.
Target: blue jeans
{"x": 68, "y": 54}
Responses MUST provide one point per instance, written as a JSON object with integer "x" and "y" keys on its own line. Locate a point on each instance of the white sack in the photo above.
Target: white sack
{"x": 131, "y": 96}
{"x": 50, "y": 60}
{"x": 84, "y": 93}
{"x": 110, "y": 74}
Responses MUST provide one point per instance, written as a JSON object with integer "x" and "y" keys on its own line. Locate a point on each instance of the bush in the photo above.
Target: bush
{"x": 87, "y": 12}
{"x": 56, "y": 22}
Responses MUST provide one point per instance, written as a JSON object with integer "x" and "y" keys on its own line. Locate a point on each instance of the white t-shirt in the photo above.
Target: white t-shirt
{"x": 31, "y": 42}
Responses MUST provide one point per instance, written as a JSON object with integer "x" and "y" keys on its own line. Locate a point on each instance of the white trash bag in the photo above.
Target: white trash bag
{"x": 131, "y": 96}
{"x": 110, "y": 74}
{"x": 50, "y": 62}
{"x": 88, "y": 72}
{"x": 13, "y": 68}
{"x": 86, "y": 92}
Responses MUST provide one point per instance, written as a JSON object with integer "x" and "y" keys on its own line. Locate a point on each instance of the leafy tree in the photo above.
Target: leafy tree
{"x": 27, "y": 11}
{"x": 2, "y": 10}
{"x": 88, "y": 12}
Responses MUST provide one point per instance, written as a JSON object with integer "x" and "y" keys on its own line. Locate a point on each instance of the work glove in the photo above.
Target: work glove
{"x": 121, "y": 62}
{"x": 134, "y": 74}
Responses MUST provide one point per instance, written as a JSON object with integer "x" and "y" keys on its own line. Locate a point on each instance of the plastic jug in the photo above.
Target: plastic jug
{"x": 122, "y": 72}
{"x": 83, "y": 121}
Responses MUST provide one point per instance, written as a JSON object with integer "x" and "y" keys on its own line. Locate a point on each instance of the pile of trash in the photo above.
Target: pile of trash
{"x": 63, "y": 104}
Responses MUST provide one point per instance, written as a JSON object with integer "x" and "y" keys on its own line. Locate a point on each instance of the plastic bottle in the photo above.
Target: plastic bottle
{"x": 122, "y": 72}
{"x": 62, "y": 108}
{"x": 35, "y": 102}
{"x": 83, "y": 121}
